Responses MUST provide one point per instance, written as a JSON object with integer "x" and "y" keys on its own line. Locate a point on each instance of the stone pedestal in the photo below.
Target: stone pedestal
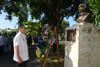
{"x": 85, "y": 51}
{"x": 72, "y": 49}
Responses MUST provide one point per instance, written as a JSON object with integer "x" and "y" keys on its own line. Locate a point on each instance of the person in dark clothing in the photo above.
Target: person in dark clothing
{"x": 1, "y": 44}
{"x": 54, "y": 46}
{"x": 29, "y": 41}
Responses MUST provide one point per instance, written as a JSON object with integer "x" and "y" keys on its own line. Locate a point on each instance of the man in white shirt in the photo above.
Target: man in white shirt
{"x": 21, "y": 48}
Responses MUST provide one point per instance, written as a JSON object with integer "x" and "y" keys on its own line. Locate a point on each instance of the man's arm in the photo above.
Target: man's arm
{"x": 16, "y": 48}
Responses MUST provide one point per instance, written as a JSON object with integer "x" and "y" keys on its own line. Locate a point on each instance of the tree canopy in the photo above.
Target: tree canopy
{"x": 36, "y": 28}
{"x": 94, "y": 6}
{"x": 31, "y": 27}
{"x": 47, "y": 11}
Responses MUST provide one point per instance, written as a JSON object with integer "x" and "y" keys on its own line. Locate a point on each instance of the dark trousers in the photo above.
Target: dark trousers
{"x": 1, "y": 50}
{"x": 24, "y": 64}
{"x": 54, "y": 48}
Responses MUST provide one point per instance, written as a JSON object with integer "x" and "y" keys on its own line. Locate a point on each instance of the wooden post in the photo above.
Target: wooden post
{"x": 41, "y": 64}
{"x": 54, "y": 34}
{"x": 57, "y": 49}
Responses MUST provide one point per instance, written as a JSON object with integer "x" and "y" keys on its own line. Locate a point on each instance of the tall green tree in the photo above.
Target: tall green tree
{"x": 48, "y": 11}
{"x": 63, "y": 26}
{"x": 94, "y": 6}
{"x": 15, "y": 8}
{"x": 31, "y": 27}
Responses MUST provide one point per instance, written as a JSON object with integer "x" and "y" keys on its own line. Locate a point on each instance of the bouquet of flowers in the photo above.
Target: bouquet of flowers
{"x": 41, "y": 52}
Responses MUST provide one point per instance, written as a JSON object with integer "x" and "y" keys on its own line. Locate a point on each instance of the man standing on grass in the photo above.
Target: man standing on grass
{"x": 20, "y": 47}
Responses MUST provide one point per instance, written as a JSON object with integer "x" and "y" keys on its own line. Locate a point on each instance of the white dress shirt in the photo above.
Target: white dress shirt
{"x": 20, "y": 40}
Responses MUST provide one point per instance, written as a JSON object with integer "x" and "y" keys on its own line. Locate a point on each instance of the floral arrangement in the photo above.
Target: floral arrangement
{"x": 42, "y": 51}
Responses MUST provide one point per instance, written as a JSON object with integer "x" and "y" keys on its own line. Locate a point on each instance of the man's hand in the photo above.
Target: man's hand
{"x": 19, "y": 60}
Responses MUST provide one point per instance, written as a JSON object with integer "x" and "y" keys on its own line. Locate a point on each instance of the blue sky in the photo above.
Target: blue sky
{"x": 13, "y": 23}
{"x": 6, "y": 23}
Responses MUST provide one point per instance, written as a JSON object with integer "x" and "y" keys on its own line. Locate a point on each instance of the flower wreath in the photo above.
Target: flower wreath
{"x": 42, "y": 49}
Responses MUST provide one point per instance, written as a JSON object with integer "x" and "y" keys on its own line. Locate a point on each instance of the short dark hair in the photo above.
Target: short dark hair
{"x": 20, "y": 26}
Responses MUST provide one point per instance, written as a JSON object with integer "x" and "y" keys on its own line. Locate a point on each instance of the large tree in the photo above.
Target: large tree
{"x": 47, "y": 11}
{"x": 31, "y": 27}
{"x": 94, "y": 6}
